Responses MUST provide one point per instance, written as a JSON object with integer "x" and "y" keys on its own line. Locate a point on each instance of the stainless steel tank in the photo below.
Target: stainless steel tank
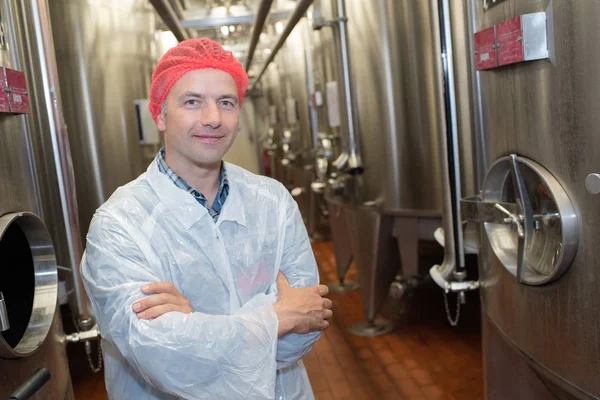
{"x": 540, "y": 94}
{"x": 104, "y": 52}
{"x": 32, "y": 231}
{"x": 394, "y": 98}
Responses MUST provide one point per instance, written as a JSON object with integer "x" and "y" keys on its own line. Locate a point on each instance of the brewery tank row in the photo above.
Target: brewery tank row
{"x": 468, "y": 123}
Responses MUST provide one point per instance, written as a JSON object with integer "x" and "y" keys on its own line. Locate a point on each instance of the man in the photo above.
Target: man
{"x": 186, "y": 266}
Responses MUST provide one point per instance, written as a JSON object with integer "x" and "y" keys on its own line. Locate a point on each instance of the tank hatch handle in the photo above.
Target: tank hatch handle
{"x": 522, "y": 198}
{"x": 4, "y": 321}
{"x": 32, "y": 385}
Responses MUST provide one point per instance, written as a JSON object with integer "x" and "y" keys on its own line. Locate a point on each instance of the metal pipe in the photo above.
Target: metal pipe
{"x": 452, "y": 128}
{"x": 169, "y": 17}
{"x": 354, "y": 159}
{"x": 259, "y": 23}
{"x": 178, "y": 9}
{"x": 294, "y": 19}
{"x": 62, "y": 155}
{"x": 207, "y": 22}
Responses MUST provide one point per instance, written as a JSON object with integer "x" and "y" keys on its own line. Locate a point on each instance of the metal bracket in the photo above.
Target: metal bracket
{"x": 2, "y": 34}
{"x": 93, "y": 333}
{"x": 322, "y": 22}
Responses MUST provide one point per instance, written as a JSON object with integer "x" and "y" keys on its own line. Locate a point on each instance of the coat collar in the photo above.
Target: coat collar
{"x": 186, "y": 209}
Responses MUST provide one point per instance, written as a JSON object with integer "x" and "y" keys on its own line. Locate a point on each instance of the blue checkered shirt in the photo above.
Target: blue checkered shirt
{"x": 222, "y": 193}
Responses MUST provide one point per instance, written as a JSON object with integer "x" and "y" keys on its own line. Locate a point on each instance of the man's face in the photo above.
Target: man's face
{"x": 202, "y": 117}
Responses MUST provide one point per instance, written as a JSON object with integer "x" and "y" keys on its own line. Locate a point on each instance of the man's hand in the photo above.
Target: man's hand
{"x": 301, "y": 310}
{"x": 166, "y": 299}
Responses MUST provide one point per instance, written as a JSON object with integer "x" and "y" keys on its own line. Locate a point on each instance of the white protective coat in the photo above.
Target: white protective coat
{"x": 150, "y": 230}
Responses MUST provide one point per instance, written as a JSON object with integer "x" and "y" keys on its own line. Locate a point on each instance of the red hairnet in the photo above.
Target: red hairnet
{"x": 191, "y": 55}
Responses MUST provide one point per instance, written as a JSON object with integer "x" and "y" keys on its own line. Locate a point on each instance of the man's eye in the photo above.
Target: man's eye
{"x": 227, "y": 103}
{"x": 191, "y": 102}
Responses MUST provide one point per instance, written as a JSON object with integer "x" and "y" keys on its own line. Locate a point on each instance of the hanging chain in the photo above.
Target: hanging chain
{"x": 88, "y": 353}
{"x": 454, "y": 321}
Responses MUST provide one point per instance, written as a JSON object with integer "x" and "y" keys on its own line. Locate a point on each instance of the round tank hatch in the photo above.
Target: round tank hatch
{"x": 536, "y": 236}
{"x": 29, "y": 284}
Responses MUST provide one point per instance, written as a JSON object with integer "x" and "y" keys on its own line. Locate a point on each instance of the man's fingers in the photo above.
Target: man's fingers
{"x": 327, "y": 303}
{"x": 156, "y": 300}
{"x": 160, "y": 287}
{"x": 157, "y": 311}
{"x": 323, "y": 290}
{"x": 282, "y": 282}
{"x": 327, "y": 314}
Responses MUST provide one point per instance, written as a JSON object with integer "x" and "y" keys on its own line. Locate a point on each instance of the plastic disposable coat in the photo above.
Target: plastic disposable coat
{"x": 227, "y": 348}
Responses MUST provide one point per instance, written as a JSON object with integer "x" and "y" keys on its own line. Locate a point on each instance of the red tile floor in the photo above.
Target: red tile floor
{"x": 424, "y": 358}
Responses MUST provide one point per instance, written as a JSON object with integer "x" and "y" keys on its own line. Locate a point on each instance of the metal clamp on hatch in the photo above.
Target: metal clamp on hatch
{"x": 529, "y": 220}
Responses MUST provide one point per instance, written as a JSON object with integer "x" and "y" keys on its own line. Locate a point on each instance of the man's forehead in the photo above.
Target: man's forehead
{"x": 205, "y": 81}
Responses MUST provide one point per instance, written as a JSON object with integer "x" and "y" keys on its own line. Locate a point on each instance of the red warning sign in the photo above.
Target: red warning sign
{"x": 18, "y": 97}
{"x": 485, "y": 49}
{"x": 4, "y": 103}
{"x": 509, "y": 35}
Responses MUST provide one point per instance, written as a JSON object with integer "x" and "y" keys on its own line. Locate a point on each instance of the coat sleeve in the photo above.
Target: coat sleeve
{"x": 193, "y": 355}
{"x": 299, "y": 266}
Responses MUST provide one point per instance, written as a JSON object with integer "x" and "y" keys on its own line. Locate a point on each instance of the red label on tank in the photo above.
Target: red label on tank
{"x": 18, "y": 98}
{"x": 485, "y": 49}
{"x": 510, "y": 41}
{"x": 4, "y": 103}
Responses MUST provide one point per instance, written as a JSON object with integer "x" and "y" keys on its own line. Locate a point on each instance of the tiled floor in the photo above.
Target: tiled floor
{"x": 423, "y": 359}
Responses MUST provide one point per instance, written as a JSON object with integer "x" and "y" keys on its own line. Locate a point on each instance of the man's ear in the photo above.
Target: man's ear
{"x": 160, "y": 122}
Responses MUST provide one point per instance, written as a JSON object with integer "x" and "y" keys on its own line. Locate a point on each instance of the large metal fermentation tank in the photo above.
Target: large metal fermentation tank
{"x": 31, "y": 220}
{"x": 104, "y": 51}
{"x": 396, "y": 92}
{"x": 394, "y": 55}
{"x": 541, "y": 318}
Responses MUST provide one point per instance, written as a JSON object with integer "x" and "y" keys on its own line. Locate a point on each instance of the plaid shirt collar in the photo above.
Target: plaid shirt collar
{"x": 222, "y": 193}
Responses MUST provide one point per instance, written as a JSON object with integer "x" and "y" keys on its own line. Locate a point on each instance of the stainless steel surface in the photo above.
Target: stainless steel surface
{"x": 546, "y": 111}
{"x": 28, "y": 182}
{"x": 259, "y": 22}
{"x": 375, "y": 254}
{"x": 341, "y": 239}
{"x": 4, "y": 321}
{"x": 511, "y": 374}
{"x": 537, "y": 253}
{"x": 355, "y": 164}
{"x": 167, "y": 14}
{"x": 62, "y": 157}
{"x": 592, "y": 183}
{"x": 52, "y": 356}
{"x": 98, "y": 97}
{"x": 296, "y": 16}
{"x": 396, "y": 80}
{"x": 535, "y": 43}
{"x": 26, "y": 232}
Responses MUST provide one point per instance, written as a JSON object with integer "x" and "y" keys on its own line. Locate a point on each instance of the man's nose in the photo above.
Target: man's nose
{"x": 211, "y": 115}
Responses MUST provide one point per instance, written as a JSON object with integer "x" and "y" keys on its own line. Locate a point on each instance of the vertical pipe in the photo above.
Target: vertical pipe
{"x": 453, "y": 221}
{"x": 62, "y": 154}
{"x": 354, "y": 160}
